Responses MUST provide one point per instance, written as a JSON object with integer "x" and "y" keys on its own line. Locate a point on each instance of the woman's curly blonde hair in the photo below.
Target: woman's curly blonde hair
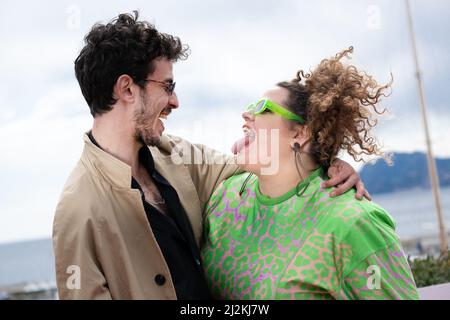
{"x": 338, "y": 102}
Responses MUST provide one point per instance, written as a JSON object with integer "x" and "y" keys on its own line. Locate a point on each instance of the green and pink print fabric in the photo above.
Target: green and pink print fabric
{"x": 302, "y": 245}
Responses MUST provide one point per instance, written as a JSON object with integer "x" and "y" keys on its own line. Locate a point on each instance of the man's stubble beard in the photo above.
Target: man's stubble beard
{"x": 142, "y": 133}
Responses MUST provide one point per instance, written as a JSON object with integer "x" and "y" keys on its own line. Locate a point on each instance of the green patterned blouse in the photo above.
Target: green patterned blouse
{"x": 307, "y": 246}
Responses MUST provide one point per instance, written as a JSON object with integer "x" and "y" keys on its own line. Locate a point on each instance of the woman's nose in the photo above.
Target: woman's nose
{"x": 248, "y": 116}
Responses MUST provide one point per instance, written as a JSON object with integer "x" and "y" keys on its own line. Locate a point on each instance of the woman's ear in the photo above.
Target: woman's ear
{"x": 301, "y": 135}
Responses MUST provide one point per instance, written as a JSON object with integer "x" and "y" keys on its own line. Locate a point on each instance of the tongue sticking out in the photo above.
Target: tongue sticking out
{"x": 240, "y": 144}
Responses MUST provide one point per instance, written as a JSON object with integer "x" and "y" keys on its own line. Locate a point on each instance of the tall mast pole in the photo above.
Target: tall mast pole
{"x": 434, "y": 179}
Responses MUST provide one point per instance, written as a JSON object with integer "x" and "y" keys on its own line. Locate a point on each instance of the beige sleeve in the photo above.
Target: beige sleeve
{"x": 208, "y": 168}
{"x": 75, "y": 244}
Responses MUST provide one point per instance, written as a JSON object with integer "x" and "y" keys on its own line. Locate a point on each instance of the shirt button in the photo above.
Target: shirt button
{"x": 180, "y": 153}
{"x": 160, "y": 279}
{"x": 197, "y": 262}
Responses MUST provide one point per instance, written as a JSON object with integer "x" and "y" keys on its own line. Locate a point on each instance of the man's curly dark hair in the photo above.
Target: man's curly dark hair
{"x": 123, "y": 46}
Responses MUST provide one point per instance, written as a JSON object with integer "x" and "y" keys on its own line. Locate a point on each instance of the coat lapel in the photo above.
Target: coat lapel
{"x": 171, "y": 167}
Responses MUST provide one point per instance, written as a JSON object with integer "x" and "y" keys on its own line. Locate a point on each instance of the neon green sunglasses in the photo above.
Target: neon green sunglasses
{"x": 264, "y": 104}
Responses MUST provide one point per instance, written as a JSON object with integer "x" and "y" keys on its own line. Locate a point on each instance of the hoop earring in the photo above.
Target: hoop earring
{"x": 297, "y": 151}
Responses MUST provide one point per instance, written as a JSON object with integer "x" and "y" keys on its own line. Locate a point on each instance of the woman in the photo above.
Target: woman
{"x": 281, "y": 236}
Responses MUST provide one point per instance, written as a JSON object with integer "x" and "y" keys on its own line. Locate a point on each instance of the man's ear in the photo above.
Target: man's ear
{"x": 124, "y": 89}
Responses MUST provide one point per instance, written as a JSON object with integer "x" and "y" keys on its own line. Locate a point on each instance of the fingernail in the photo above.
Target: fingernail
{"x": 333, "y": 194}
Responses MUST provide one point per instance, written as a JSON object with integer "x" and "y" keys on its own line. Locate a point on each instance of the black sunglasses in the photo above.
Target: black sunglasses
{"x": 169, "y": 87}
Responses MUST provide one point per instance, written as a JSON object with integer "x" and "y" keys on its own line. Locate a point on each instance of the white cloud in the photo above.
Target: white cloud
{"x": 38, "y": 153}
{"x": 239, "y": 49}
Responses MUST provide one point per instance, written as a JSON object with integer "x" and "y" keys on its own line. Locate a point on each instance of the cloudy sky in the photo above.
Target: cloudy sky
{"x": 238, "y": 49}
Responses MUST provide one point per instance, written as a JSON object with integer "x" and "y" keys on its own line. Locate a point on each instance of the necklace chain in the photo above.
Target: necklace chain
{"x": 157, "y": 202}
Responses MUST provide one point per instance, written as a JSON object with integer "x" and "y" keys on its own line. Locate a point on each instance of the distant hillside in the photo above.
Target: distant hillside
{"x": 410, "y": 170}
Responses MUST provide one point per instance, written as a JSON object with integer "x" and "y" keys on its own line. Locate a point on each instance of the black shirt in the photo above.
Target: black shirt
{"x": 174, "y": 234}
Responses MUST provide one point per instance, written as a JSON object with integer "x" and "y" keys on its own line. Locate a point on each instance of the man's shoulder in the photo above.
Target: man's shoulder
{"x": 172, "y": 144}
{"x": 188, "y": 152}
{"x": 80, "y": 181}
{"x": 79, "y": 195}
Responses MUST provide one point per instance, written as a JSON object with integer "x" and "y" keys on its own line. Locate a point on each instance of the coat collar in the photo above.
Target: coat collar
{"x": 114, "y": 171}
{"x": 106, "y": 166}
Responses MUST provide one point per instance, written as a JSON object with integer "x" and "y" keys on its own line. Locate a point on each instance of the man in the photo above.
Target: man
{"x": 129, "y": 220}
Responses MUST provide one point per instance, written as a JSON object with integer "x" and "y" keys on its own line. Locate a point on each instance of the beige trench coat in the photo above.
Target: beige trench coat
{"x": 103, "y": 244}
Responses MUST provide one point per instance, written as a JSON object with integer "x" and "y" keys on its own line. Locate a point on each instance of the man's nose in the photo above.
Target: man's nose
{"x": 173, "y": 100}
